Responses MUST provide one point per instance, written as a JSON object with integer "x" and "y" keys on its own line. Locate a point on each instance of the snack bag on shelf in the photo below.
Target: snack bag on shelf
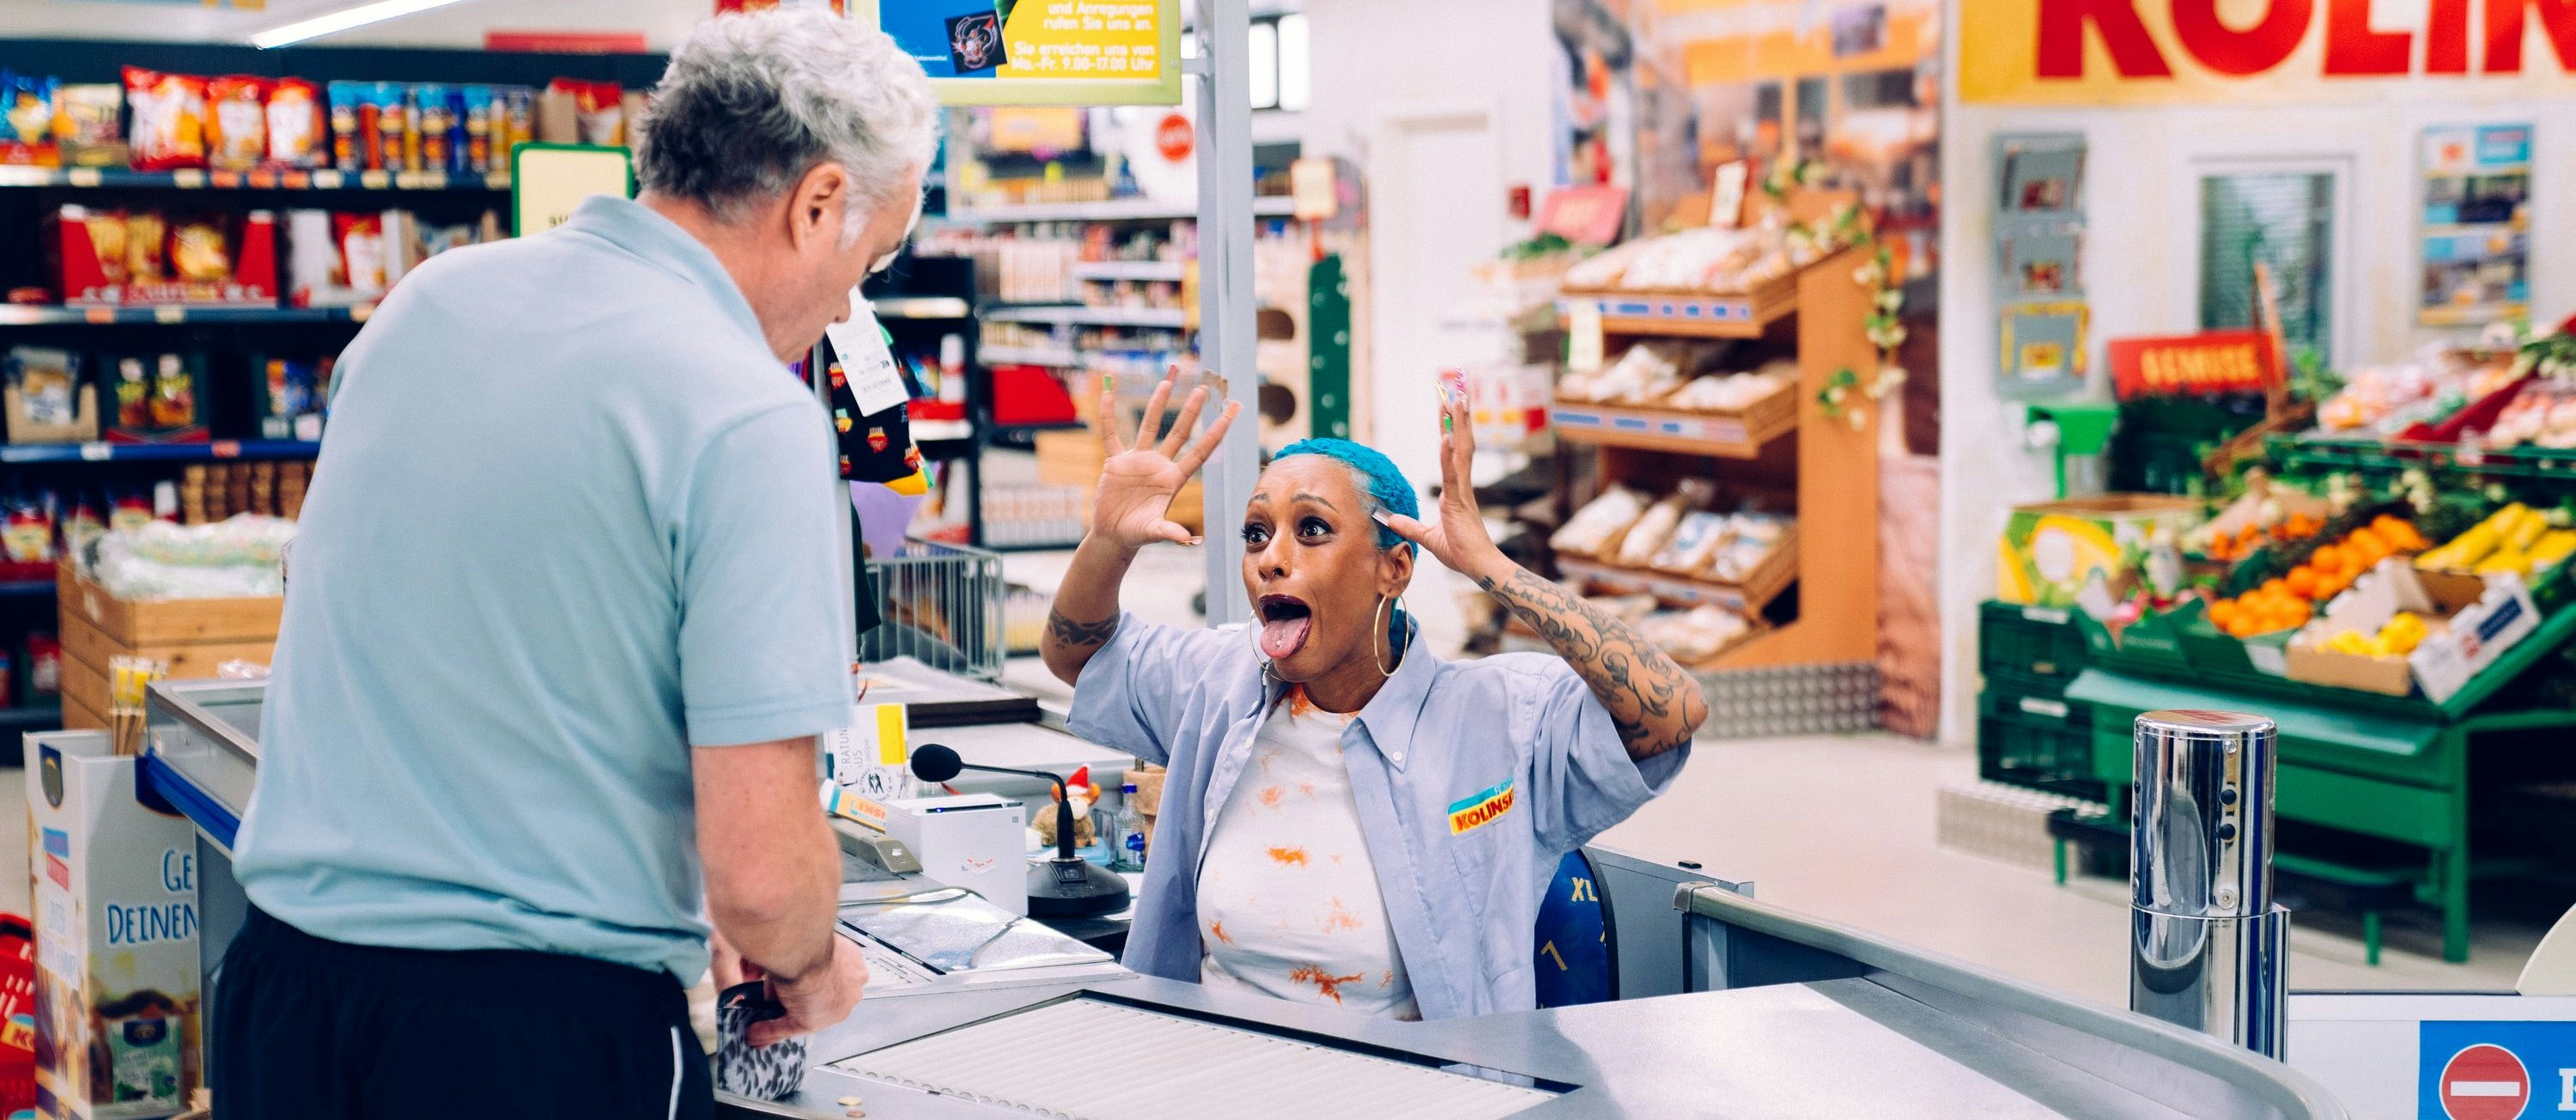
{"x": 599, "y": 109}
{"x": 133, "y": 395}
{"x": 405, "y": 104}
{"x": 1650, "y": 532}
{"x": 297, "y": 134}
{"x": 28, "y": 537}
{"x": 514, "y": 122}
{"x": 476, "y": 123}
{"x": 27, "y": 107}
{"x": 350, "y": 139}
{"x": 361, "y": 238}
{"x": 146, "y": 241}
{"x": 107, "y": 239}
{"x": 236, "y": 122}
{"x": 169, "y": 128}
{"x": 174, "y": 393}
{"x": 437, "y": 120}
{"x": 1693, "y": 543}
{"x": 89, "y": 123}
{"x": 387, "y": 100}
{"x": 199, "y": 251}
{"x": 1751, "y": 539}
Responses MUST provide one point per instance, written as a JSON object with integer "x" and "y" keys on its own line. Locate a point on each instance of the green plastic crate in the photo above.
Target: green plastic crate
{"x": 2036, "y": 742}
{"x": 2034, "y": 643}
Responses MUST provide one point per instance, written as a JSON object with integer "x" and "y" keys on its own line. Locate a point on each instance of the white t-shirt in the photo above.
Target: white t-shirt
{"x": 1288, "y": 902}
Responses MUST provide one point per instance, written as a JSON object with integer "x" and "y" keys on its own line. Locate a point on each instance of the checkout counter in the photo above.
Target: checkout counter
{"x": 975, "y": 1012}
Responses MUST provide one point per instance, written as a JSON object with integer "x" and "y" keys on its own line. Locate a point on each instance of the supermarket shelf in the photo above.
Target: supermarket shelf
{"x": 34, "y": 717}
{"x": 1028, "y": 356}
{"x": 25, "y": 588}
{"x": 1116, "y": 210}
{"x": 1722, "y": 435}
{"x": 1694, "y": 316}
{"x": 224, "y": 449}
{"x": 36, "y": 315}
{"x": 1130, "y": 270}
{"x": 922, "y": 307}
{"x": 199, "y": 179}
{"x": 942, "y": 431}
{"x": 1061, "y": 314}
{"x": 1746, "y": 599}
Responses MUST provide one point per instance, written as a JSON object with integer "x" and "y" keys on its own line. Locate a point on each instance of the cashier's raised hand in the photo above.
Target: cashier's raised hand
{"x": 819, "y": 999}
{"x": 1137, "y": 484}
{"x": 1459, "y": 539}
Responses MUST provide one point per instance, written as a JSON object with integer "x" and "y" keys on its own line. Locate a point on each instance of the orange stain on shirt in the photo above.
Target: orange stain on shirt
{"x": 1288, "y": 857}
{"x": 1270, "y": 800}
{"x": 1307, "y": 788}
{"x": 1339, "y": 917}
{"x": 1326, "y": 984}
{"x": 1216, "y": 929}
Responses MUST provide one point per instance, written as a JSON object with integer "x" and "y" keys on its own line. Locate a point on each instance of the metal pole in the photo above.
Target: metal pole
{"x": 2208, "y": 949}
{"x": 1225, "y": 287}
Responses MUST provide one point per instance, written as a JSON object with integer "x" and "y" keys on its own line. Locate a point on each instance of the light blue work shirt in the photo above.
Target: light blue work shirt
{"x": 571, "y": 517}
{"x": 1472, "y": 778}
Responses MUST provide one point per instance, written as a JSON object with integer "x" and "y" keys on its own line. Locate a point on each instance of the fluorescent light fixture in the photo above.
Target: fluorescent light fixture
{"x": 335, "y": 22}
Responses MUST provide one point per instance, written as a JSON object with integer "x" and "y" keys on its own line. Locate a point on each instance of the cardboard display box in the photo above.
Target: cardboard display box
{"x": 117, "y": 979}
{"x": 2468, "y": 621}
{"x": 193, "y": 635}
{"x": 2093, "y": 552}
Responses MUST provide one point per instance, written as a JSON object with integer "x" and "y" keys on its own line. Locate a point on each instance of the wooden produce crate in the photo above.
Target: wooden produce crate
{"x": 192, "y": 635}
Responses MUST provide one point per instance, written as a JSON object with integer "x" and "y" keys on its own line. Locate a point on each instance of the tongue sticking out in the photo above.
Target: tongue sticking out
{"x": 1281, "y": 638}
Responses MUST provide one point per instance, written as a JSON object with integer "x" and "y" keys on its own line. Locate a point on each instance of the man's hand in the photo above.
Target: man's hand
{"x": 815, "y": 1001}
{"x": 1136, "y": 486}
{"x": 1459, "y": 541}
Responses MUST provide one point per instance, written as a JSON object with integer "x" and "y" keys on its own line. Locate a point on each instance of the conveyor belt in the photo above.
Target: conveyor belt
{"x": 1176, "y": 1067}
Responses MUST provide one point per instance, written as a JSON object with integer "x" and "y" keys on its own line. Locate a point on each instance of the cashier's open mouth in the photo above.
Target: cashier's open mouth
{"x": 1286, "y": 620}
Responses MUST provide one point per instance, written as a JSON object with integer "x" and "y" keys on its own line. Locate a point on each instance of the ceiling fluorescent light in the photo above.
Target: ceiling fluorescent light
{"x": 342, "y": 20}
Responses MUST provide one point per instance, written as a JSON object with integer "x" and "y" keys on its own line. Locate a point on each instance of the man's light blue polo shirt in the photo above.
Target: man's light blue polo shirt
{"x": 571, "y": 517}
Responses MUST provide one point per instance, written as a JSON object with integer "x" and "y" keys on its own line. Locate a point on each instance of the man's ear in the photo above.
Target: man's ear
{"x": 818, "y": 206}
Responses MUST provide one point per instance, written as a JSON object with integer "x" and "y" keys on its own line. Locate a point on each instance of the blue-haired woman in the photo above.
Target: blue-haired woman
{"x": 1350, "y": 821}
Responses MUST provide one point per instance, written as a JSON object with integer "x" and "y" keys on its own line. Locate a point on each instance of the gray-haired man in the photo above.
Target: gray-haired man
{"x": 569, "y": 609}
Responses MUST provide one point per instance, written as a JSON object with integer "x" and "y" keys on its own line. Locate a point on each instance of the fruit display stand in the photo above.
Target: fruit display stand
{"x": 1829, "y": 464}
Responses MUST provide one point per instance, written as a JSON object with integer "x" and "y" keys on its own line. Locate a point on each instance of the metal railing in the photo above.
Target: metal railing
{"x": 942, "y": 605}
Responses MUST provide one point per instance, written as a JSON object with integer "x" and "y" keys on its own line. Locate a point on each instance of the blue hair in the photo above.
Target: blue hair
{"x": 1386, "y": 486}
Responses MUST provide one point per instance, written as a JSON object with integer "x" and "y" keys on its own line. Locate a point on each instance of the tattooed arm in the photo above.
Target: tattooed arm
{"x": 1655, "y": 704}
{"x": 1130, "y": 512}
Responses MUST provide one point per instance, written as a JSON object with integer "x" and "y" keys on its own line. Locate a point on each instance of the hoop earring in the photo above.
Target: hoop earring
{"x": 1382, "y": 604}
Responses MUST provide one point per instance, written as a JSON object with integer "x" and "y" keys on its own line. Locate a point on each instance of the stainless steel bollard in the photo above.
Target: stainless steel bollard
{"x": 2207, "y": 948}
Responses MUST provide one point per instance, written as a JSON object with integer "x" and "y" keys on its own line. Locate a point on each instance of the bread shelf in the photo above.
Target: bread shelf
{"x": 1778, "y": 571}
{"x": 1725, "y": 435}
{"x": 1689, "y": 314}
{"x": 202, "y": 179}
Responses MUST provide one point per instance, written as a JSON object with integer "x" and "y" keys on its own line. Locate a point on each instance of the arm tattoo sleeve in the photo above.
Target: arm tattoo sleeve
{"x": 1079, "y": 635}
{"x": 1654, "y": 704}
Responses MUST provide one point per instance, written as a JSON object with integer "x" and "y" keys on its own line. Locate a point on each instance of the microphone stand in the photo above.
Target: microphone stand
{"x": 1066, "y": 886}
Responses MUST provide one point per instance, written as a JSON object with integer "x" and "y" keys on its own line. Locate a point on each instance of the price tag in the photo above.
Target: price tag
{"x": 100, "y": 314}
{"x": 295, "y": 180}
{"x": 96, "y": 452}
{"x": 498, "y": 180}
{"x": 169, "y": 314}
{"x": 431, "y": 180}
{"x": 263, "y": 180}
{"x": 225, "y": 449}
{"x": 375, "y": 180}
{"x": 326, "y": 180}
{"x": 82, "y": 177}
{"x": 361, "y": 312}
{"x": 224, "y": 179}
{"x": 860, "y": 343}
{"x": 189, "y": 177}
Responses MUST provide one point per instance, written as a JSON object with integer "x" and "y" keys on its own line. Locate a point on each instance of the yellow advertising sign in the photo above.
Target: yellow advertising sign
{"x": 2135, "y": 52}
{"x": 1039, "y": 52}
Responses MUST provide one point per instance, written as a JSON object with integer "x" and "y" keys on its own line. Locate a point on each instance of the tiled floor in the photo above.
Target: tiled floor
{"x": 1842, "y": 828}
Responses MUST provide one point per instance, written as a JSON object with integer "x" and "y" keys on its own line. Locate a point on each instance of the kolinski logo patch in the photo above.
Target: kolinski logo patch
{"x": 1477, "y": 810}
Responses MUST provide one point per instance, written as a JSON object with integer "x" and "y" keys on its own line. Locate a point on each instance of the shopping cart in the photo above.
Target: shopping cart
{"x": 942, "y": 605}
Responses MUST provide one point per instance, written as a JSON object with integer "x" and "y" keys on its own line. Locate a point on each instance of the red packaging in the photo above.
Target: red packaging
{"x": 169, "y": 115}
{"x": 599, "y": 109}
{"x": 361, "y": 238}
{"x": 236, "y": 122}
{"x": 298, "y": 134}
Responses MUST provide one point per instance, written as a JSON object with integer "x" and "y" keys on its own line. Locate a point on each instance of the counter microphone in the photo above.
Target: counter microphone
{"x": 1066, "y": 886}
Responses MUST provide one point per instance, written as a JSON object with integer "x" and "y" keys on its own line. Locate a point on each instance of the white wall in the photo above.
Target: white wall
{"x": 2141, "y": 203}
{"x": 1381, "y": 60}
{"x": 462, "y": 24}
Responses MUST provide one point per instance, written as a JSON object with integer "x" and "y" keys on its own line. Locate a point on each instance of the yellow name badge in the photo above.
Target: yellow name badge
{"x": 1477, "y": 810}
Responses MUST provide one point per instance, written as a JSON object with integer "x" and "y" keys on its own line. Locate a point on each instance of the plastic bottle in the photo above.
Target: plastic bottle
{"x": 1130, "y": 832}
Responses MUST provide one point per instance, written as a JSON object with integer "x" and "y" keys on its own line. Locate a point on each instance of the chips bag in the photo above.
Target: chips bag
{"x": 236, "y": 122}
{"x": 89, "y": 116}
{"x": 198, "y": 251}
{"x": 362, "y": 250}
{"x": 169, "y": 130}
{"x": 297, "y": 136}
{"x": 145, "y": 233}
{"x": 27, "y": 107}
{"x": 348, "y": 152}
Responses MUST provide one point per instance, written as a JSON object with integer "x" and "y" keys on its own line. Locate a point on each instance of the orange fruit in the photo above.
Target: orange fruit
{"x": 2222, "y": 612}
{"x": 2327, "y": 561}
{"x": 2303, "y": 582}
{"x": 2275, "y": 588}
{"x": 2368, "y": 540}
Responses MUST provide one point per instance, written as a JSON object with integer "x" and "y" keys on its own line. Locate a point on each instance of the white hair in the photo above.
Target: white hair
{"x": 753, "y": 102}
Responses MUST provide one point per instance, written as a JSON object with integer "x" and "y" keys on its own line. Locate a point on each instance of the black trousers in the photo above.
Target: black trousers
{"x": 311, "y": 1029}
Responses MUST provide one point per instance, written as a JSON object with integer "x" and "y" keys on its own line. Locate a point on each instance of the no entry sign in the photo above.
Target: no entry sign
{"x": 2484, "y": 1082}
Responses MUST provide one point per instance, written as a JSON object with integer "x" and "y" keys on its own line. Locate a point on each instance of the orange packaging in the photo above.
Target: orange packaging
{"x": 297, "y": 133}
{"x": 236, "y": 122}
